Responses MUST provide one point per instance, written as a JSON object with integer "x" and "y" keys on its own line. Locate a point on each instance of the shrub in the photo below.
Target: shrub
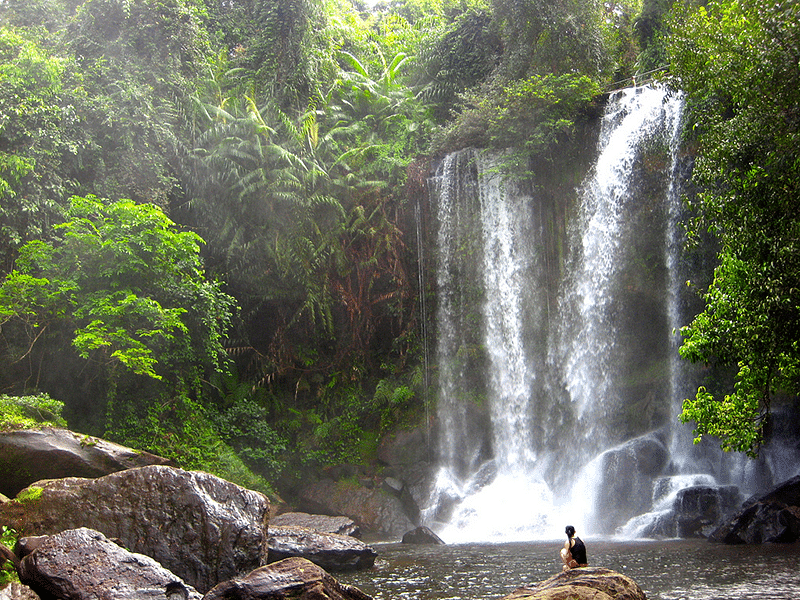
{"x": 27, "y": 412}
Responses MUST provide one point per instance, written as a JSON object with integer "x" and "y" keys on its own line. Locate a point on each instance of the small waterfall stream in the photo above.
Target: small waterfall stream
{"x": 560, "y": 414}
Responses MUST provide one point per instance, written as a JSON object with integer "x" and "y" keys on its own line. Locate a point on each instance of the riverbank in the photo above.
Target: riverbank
{"x": 665, "y": 570}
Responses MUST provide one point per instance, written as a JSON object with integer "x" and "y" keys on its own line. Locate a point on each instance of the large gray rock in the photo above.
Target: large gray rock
{"x": 83, "y": 564}
{"x": 700, "y": 509}
{"x": 330, "y": 551}
{"x": 373, "y": 509}
{"x": 585, "y": 583}
{"x": 290, "y": 579}
{"x": 322, "y": 523}
{"x": 406, "y": 448}
{"x": 29, "y": 455}
{"x": 201, "y": 527}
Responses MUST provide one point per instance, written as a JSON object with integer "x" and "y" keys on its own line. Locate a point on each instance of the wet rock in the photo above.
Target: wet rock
{"x": 759, "y": 523}
{"x": 408, "y": 456}
{"x": 201, "y": 527}
{"x": 292, "y": 578}
{"x": 628, "y": 473}
{"x": 83, "y": 564}
{"x": 392, "y": 485}
{"x": 586, "y": 583}
{"x": 328, "y": 550}
{"x": 322, "y": 523}
{"x": 374, "y": 510}
{"x": 774, "y": 517}
{"x": 422, "y": 535}
{"x": 700, "y": 509}
{"x": 29, "y": 455}
{"x": 29, "y": 543}
{"x": 696, "y": 511}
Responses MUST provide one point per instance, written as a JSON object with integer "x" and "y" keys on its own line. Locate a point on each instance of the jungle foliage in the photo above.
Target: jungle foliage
{"x": 206, "y": 206}
{"x": 738, "y": 62}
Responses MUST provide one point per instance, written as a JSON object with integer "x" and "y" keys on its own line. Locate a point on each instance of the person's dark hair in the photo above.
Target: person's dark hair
{"x": 570, "y": 531}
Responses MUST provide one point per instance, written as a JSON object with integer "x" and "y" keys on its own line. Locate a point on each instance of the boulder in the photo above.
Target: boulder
{"x": 83, "y": 564}
{"x": 322, "y": 523}
{"x": 29, "y": 455}
{"x": 201, "y": 527}
{"x": 422, "y": 535}
{"x": 700, "y": 509}
{"x": 695, "y": 512}
{"x": 759, "y": 523}
{"x": 627, "y": 474}
{"x": 585, "y": 583}
{"x": 774, "y": 517}
{"x": 330, "y": 551}
{"x": 373, "y": 509}
{"x": 292, "y": 578}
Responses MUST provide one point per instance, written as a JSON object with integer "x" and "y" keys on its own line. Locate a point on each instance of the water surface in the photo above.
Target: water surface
{"x": 665, "y": 570}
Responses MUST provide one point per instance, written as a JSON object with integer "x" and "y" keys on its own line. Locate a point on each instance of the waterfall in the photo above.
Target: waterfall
{"x": 566, "y": 412}
{"x": 487, "y": 374}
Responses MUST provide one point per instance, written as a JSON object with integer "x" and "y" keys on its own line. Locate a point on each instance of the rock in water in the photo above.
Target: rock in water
{"x": 201, "y": 527}
{"x": 322, "y": 523}
{"x": 585, "y": 583}
{"x": 774, "y": 517}
{"x": 328, "y": 550}
{"x": 29, "y": 455}
{"x": 292, "y": 578}
{"x": 83, "y": 564}
{"x": 422, "y": 535}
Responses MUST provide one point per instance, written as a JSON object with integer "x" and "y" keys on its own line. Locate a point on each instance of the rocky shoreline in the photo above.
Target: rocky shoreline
{"x": 109, "y": 522}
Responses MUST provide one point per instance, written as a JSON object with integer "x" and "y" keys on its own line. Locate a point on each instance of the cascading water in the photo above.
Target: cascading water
{"x": 486, "y": 306}
{"x": 556, "y": 412}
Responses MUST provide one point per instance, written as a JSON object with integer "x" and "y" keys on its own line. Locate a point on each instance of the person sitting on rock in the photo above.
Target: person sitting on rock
{"x": 573, "y": 554}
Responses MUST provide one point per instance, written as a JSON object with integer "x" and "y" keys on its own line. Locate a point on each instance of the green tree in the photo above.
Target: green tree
{"x": 738, "y": 63}
{"x": 279, "y": 43}
{"x": 127, "y": 292}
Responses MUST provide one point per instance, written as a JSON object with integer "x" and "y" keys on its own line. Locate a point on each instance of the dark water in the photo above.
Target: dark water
{"x": 671, "y": 570}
